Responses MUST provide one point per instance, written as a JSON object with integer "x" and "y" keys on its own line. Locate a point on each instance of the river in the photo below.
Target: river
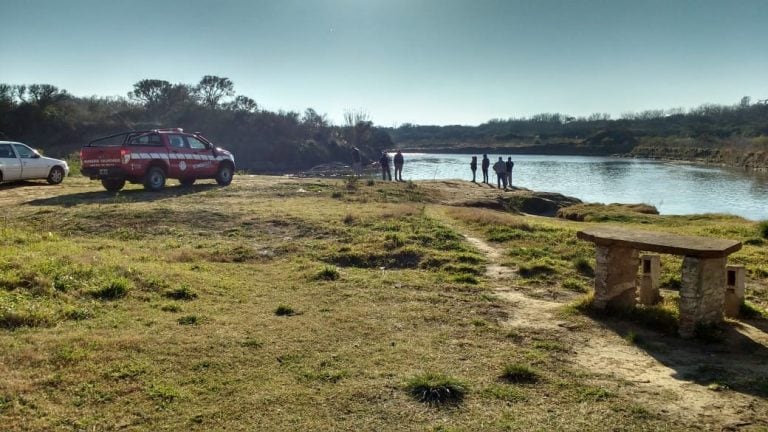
{"x": 674, "y": 188}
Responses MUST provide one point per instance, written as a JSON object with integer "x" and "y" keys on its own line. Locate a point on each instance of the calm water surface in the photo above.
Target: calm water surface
{"x": 672, "y": 187}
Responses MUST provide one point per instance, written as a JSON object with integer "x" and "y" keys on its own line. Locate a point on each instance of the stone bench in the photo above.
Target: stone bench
{"x": 702, "y": 294}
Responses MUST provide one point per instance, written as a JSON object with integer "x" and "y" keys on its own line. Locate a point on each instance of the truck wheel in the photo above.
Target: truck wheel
{"x": 113, "y": 185}
{"x": 224, "y": 175}
{"x": 56, "y": 175}
{"x": 186, "y": 182}
{"x": 154, "y": 180}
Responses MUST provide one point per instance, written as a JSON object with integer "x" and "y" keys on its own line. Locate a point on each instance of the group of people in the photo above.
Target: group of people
{"x": 502, "y": 169}
{"x": 398, "y": 160}
{"x": 386, "y": 173}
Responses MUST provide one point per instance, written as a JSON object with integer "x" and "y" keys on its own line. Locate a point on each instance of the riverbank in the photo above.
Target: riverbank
{"x": 317, "y": 304}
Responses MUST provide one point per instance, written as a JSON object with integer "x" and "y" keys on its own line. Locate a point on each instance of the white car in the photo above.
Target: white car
{"x": 20, "y": 162}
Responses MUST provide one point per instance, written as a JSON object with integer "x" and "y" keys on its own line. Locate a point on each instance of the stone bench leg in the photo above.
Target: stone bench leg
{"x": 649, "y": 280}
{"x": 701, "y": 295}
{"x": 734, "y": 290}
{"x": 615, "y": 277}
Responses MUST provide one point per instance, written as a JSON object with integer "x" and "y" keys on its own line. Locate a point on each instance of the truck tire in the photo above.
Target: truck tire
{"x": 224, "y": 175}
{"x": 113, "y": 185}
{"x": 154, "y": 179}
{"x": 56, "y": 175}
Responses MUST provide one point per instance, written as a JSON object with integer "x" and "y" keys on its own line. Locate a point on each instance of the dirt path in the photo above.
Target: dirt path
{"x": 654, "y": 382}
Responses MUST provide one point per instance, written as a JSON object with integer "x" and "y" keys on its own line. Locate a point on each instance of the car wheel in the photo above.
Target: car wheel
{"x": 56, "y": 175}
{"x": 187, "y": 182}
{"x": 113, "y": 185}
{"x": 224, "y": 175}
{"x": 154, "y": 180}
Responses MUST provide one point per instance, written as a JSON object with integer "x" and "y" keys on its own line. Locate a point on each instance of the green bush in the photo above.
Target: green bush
{"x": 762, "y": 229}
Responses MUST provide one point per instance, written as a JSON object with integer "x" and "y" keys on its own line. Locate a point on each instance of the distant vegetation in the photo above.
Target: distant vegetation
{"x": 57, "y": 122}
{"x": 53, "y": 120}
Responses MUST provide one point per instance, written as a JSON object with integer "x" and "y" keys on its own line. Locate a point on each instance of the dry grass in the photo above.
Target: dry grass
{"x": 194, "y": 343}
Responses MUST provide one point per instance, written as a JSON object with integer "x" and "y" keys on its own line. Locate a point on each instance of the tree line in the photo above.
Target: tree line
{"x": 744, "y": 119}
{"x": 59, "y": 123}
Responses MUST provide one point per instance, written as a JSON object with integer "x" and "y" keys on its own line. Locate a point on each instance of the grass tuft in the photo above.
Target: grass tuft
{"x": 519, "y": 373}
{"x": 750, "y": 311}
{"x": 584, "y": 267}
{"x": 284, "y": 310}
{"x": 433, "y": 388}
{"x": 188, "y": 320}
{"x": 116, "y": 288}
{"x": 329, "y": 273}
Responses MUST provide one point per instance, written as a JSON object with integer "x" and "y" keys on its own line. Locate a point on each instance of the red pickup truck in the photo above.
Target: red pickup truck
{"x": 152, "y": 156}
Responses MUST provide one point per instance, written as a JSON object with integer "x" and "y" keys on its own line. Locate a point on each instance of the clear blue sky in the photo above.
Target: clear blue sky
{"x": 417, "y": 61}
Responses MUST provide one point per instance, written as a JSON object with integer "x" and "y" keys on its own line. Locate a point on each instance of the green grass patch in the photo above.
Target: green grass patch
{"x": 520, "y": 373}
{"x": 116, "y": 288}
{"x": 762, "y": 229}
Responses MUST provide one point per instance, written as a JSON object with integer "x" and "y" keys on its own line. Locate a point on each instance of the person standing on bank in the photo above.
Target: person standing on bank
{"x": 510, "y": 165}
{"x": 473, "y": 167}
{"x": 399, "y": 166}
{"x": 501, "y": 173}
{"x": 486, "y": 164}
{"x": 357, "y": 162}
{"x": 386, "y": 174}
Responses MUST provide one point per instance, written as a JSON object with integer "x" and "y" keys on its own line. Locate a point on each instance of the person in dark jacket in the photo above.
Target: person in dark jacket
{"x": 386, "y": 173}
{"x": 510, "y": 165}
{"x": 486, "y": 164}
{"x": 473, "y": 167}
{"x": 501, "y": 173}
{"x": 399, "y": 166}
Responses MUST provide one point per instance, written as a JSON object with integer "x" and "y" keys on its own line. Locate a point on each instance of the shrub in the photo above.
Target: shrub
{"x": 435, "y": 388}
{"x": 762, "y": 229}
{"x": 519, "y": 373}
{"x": 350, "y": 182}
{"x": 284, "y": 310}
{"x": 117, "y": 288}
{"x": 349, "y": 219}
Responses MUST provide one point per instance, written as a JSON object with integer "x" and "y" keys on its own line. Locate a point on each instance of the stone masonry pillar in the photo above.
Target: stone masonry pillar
{"x": 649, "y": 279}
{"x": 615, "y": 277}
{"x": 734, "y": 290}
{"x": 702, "y": 294}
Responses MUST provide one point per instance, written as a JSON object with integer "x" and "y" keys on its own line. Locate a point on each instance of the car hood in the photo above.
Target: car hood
{"x": 53, "y": 161}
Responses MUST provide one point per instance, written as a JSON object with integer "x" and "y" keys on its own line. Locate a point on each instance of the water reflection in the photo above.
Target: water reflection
{"x": 672, "y": 188}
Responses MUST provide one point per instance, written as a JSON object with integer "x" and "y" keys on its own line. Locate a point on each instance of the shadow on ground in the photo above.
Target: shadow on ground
{"x": 733, "y": 356}
{"x": 130, "y": 195}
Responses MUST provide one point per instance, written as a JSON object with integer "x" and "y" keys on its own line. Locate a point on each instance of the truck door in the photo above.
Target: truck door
{"x": 32, "y": 165}
{"x": 10, "y": 165}
{"x": 180, "y": 159}
{"x": 205, "y": 163}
